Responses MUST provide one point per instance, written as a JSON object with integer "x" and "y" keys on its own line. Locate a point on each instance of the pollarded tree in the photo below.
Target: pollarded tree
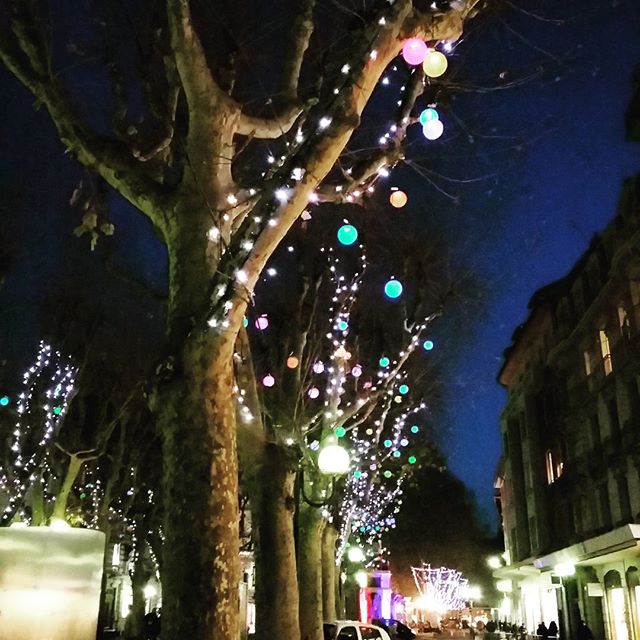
{"x": 335, "y": 360}
{"x": 171, "y": 117}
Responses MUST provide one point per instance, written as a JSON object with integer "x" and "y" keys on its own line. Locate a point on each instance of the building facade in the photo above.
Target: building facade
{"x": 568, "y": 485}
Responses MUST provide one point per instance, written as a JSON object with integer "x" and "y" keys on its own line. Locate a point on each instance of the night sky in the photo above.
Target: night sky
{"x": 542, "y": 164}
{"x": 563, "y": 189}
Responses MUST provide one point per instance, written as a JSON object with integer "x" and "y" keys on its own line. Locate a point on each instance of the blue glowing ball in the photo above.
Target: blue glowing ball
{"x": 347, "y": 234}
{"x": 428, "y": 114}
{"x": 393, "y": 289}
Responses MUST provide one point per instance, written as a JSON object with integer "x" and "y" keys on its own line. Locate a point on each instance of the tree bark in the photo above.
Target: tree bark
{"x": 276, "y": 578}
{"x": 310, "y": 526}
{"x": 139, "y": 578}
{"x": 201, "y": 567}
{"x": 329, "y": 536}
{"x": 60, "y": 506}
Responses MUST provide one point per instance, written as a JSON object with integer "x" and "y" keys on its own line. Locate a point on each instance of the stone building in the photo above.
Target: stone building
{"x": 568, "y": 485}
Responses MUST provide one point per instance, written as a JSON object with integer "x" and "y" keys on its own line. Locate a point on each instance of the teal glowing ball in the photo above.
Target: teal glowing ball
{"x": 428, "y": 114}
{"x": 428, "y": 345}
{"x": 4, "y": 401}
{"x": 384, "y": 361}
{"x": 387, "y": 443}
{"x": 393, "y": 289}
{"x": 415, "y": 428}
{"x": 403, "y": 389}
{"x": 342, "y": 325}
{"x": 347, "y": 234}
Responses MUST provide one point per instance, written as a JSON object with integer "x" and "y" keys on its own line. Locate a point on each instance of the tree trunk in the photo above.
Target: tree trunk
{"x": 38, "y": 511}
{"x": 139, "y": 579}
{"x": 201, "y": 567}
{"x": 276, "y": 577}
{"x": 60, "y": 505}
{"x": 310, "y": 525}
{"x": 329, "y": 537}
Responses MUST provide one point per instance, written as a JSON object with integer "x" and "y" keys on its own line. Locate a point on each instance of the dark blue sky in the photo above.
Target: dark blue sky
{"x": 562, "y": 190}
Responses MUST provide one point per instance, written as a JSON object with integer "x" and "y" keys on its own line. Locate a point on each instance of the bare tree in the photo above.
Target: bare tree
{"x": 192, "y": 168}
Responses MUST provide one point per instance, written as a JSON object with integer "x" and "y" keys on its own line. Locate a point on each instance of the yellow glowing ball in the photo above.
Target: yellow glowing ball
{"x": 435, "y": 64}
{"x": 292, "y": 362}
{"x": 398, "y": 199}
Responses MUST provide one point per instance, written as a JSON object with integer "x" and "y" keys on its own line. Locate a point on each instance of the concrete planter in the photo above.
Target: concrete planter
{"x": 50, "y": 583}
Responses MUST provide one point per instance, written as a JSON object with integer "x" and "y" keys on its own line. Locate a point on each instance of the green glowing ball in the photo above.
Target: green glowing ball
{"x": 412, "y": 459}
{"x": 340, "y": 431}
{"x": 393, "y": 289}
{"x": 347, "y": 234}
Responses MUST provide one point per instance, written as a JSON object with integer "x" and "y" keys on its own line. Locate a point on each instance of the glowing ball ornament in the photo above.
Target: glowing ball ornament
{"x": 262, "y": 323}
{"x": 387, "y": 474}
{"x": 292, "y": 362}
{"x": 411, "y": 459}
{"x": 384, "y": 361}
{"x": 4, "y": 401}
{"x": 355, "y": 554}
{"x": 414, "y": 51}
{"x": 245, "y": 322}
{"x": 268, "y": 380}
{"x": 396, "y": 454}
{"x": 393, "y": 289}
{"x": 433, "y": 129}
{"x": 403, "y": 389}
{"x": 398, "y": 199}
{"x": 333, "y": 460}
{"x": 427, "y": 345}
{"x": 387, "y": 443}
{"x": 434, "y": 63}
{"x": 427, "y": 115}
{"x": 415, "y": 428}
{"x": 356, "y": 372}
{"x": 347, "y": 234}
{"x": 340, "y": 432}
{"x": 313, "y": 392}
{"x": 318, "y": 367}
{"x": 342, "y": 325}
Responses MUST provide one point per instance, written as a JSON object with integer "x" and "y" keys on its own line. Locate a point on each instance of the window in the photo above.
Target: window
{"x": 587, "y": 362}
{"x": 348, "y": 633}
{"x": 605, "y": 508}
{"x": 625, "y": 324}
{"x": 594, "y": 425}
{"x": 605, "y": 350}
{"x": 554, "y": 465}
{"x": 548, "y": 459}
{"x": 623, "y": 498}
{"x": 370, "y": 633}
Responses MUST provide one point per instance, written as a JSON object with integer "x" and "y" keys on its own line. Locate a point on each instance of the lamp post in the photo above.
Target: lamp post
{"x": 333, "y": 461}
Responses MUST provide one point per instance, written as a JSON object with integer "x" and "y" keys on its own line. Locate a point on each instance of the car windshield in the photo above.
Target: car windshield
{"x": 329, "y": 631}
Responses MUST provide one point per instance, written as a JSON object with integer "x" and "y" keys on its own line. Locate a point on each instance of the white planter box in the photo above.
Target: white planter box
{"x": 50, "y": 583}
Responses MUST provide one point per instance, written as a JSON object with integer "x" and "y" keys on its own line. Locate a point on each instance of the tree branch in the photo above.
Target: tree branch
{"x": 109, "y": 158}
{"x": 269, "y": 128}
{"x": 301, "y": 29}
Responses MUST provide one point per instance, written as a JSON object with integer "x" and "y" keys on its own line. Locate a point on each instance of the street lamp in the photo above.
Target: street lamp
{"x": 333, "y": 460}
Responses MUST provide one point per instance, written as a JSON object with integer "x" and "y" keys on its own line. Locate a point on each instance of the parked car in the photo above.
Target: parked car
{"x": 397, "y": 630}
{"x": 353, "y": 630}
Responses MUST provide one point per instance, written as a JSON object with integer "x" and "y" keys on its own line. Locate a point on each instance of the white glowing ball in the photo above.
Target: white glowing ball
{"x": 435, "y": 63}
{"x": 356, "y": 372}
{"x": 318, "y": 367}
{"x": 433, "y": 129}
{"x": 333, "y": 460}
{"x": 355, "y": 554}
{"x": 268, "y": 380}
{"x": 262, "y": 323}
{"x": 314, "y": 392}
{"x": 414, "y": 51}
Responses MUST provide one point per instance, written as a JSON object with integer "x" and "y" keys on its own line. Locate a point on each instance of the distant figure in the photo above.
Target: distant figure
{"x": 152, "y": 625}
{"x": 583, "y": 633}
{"x": 542, "y": 631}
{"x": 129, "y": 631}
{"x": 553, "y": 629}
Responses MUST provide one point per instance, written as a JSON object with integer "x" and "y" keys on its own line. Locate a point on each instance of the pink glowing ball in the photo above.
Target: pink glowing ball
{"x": 268, "y": 380}
{"x": 414, "y": 51}
{"x": 262, "y": 323}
